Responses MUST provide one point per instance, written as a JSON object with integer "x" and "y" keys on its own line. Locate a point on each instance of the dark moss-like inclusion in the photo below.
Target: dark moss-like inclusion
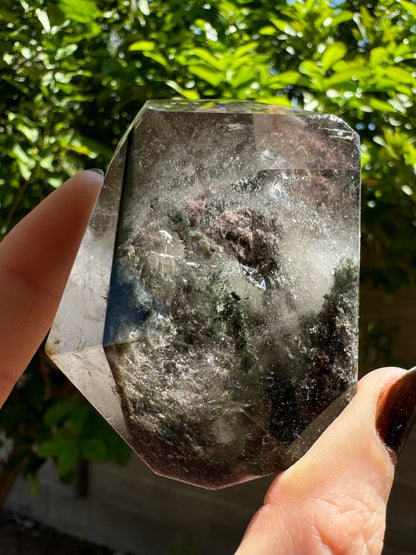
{"x": 220, "y": 369}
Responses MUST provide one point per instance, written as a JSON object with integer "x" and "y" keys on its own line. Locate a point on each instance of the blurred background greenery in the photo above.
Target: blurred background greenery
{"x": 74, "y": 73}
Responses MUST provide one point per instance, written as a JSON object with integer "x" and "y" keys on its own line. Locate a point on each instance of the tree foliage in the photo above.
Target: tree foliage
{"x": 73, "y": 73}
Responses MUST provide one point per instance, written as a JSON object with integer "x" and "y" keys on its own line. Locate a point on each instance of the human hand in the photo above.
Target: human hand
{"x": 35, "y": 260}
{"x": 333, "y": 500}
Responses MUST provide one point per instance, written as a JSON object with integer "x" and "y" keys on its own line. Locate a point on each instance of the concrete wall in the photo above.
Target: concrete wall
{"x": 132, "y": 510}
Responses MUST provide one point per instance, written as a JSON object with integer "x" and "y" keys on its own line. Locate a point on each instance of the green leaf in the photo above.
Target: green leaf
{"x": 358, "y": 21}
{"x": 397, "y": 105}
{"x": 94, "y": 449}
{"x": 44, "y": 19}
{"x": 56, "y": 17}
{"x": 58, "y": 412}
{"x": 53, "y": 447}
{"x": 210, "y": 59}
{"x": 310, "y": 68}
{"x": 25, "y": 5}
{"x": 379, "y": 140}
{"x": 410, "y": 7}
{"x": 118, "y": 449}
{"x": 157, "y": 57}
{"x": 143, "y": 6}
{"x": 380, "y": 105}
{"x": 9, "y": 16}
{"x": 83, "y": 11}
{"x": 141, "y": 45}
{"x": 46, "y": 162}
{"x": 65, "y": 51}
{"x": 242, "y": 50}
{"x": 309, "y": 5}
{"x": 68, "y": 458}
{"x": 31, "y": 133}
{"x": 343, "y": 16}
{"x": 24, "y": 162}
{"x": 378, "y": 56}
{"x": 346, "y": 76}
{"x": 81, "y": 145}
{"x": 285, "y": 78}
{"x": 21, "y": 155}
{"x": 383, "y": 84}
{"x": 280, "y": 100}
{"x": 190, "y": 94}
{"x": 283, "y": 26}
{"x": 400, "y": 75}
{"x": 54, "y": 182}
{"x": 407, "y": 190}
{"x": 24, "y": 171}
{"x": 332, "y": 54}
{"x": 78, "y": 419}
{"x": 205, "y": 72}
{"x": 268, "y": 30}
{"x": 243, "y": 76}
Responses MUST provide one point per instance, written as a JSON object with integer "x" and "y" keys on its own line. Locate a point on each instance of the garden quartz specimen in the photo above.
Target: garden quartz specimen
{"x": 211, "y": 314}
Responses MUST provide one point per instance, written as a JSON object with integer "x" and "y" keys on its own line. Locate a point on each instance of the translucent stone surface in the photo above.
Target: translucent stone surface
{"x": 211, "y": 315}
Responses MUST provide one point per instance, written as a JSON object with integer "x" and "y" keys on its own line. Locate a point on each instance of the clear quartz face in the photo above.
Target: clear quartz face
{"x": 211, "y": 314}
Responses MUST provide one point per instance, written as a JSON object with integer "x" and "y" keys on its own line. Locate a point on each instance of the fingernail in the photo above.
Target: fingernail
{"x": 96, "y": 170}
{"x": 398, "y": 413}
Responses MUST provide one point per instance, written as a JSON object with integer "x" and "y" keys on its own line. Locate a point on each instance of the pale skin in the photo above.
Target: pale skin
{"x": 332, "y": 501}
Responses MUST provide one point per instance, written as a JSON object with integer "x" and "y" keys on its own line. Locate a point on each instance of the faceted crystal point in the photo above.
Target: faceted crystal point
{"x": 211, "y": 314}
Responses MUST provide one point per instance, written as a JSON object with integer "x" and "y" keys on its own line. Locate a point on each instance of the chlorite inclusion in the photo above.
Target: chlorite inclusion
{"x": 211, "y": 314}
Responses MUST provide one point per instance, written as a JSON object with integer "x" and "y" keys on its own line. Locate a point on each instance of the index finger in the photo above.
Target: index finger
{"x": 35, "y": 261}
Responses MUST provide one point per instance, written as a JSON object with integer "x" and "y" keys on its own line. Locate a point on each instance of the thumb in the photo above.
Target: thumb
{"x": 333, "y": 500}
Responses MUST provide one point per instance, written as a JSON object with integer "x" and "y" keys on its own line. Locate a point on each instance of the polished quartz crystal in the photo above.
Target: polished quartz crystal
{"x": 211, "y": 314}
